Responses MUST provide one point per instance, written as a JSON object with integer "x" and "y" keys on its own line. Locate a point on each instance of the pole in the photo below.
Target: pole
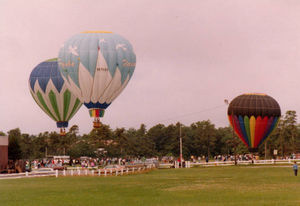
{"x": 265, "y": 150}
{"x": 235, "y": 163}
{"x": 180, "y": 145}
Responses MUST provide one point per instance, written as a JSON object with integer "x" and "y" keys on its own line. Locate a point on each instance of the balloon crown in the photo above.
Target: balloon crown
{"x": 259, "y": 94}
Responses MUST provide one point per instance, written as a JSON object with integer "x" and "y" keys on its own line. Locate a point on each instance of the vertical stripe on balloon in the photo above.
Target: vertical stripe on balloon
{"x": 53, "y": 101}
{"x": 101, "y": 114}
{"x": 247, "y": 127}
{"x": 252, "y": 130}
{"x": 263, "y": 129}
{"x": 258, "y": 134}
{"x": 45, "y": 108}
{"x": 67, "y": 99}
{"x": 230, "y": 120}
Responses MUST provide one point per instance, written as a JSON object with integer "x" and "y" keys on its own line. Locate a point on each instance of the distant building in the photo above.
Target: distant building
{"x": 3, "y": 152}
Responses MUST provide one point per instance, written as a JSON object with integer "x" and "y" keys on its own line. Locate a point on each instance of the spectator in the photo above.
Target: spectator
{"x": 295, "y": 168}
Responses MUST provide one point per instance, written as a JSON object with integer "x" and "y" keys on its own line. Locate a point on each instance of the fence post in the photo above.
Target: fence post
{"x": 78, "y": 172}
{"x": 26, "y": 173}
{"x": 127, "y": 170}
{"x": 72, "y": 172}
{"x": 92, "y": 172}
{"x": 272, "y": 161}
{"x": 86, "y": 172}
{"x": 289, "y": 160}
{"x": 64, "y": 172}
{"x": 105, "y": 173}
{"x": 99, "y": 173}
{"x": 56, "y": 173}
{"x": 121, "y": 171}
{"x": 110, "y": 171}
{"x": 116, "y": 172}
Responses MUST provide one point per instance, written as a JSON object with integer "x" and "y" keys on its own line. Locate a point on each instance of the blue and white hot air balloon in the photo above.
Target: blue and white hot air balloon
{"x": 50, "y": 92}
{"x": 97, "y": 66}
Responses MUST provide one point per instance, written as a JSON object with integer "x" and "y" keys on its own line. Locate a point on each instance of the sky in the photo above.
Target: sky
{"x": 191, "y": 56}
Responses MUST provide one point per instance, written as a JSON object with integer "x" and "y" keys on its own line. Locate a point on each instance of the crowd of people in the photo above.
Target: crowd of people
{"x": 222, "y": 158}
{"x": 84, "y": 162}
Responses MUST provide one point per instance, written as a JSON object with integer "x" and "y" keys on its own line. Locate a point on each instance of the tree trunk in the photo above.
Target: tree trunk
{"x": 208, "y": 151}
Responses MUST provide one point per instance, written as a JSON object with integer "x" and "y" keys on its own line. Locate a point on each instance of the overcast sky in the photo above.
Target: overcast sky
{"x": 191, "y": 56}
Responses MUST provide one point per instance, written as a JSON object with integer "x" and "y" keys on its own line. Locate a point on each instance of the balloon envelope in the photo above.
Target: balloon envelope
{"x": 50, "y": 92}
{"x": 254, "y": 117}
{"x": 97, "y": 66}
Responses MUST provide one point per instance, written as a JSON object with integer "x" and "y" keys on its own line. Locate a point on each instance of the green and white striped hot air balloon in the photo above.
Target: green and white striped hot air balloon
{"x": 50, "y": 92}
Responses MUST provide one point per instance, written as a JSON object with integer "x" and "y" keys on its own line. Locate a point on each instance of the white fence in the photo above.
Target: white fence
{"x": 247, "y": 162}
{"x": 77, "y": 172}
{"x": 189, "y": 164}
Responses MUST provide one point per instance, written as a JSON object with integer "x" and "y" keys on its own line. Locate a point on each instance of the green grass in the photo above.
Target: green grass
{"x": 234, "y": 185}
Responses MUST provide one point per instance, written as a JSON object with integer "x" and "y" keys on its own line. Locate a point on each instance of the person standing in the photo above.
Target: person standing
{"x": 295, "y": 168}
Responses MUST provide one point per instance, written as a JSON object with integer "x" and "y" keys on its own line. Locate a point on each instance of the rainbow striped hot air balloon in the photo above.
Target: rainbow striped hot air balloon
{"x": 97, "y": 66}
{"x": 50, "y": 92}
{"x": 254, "y": 117}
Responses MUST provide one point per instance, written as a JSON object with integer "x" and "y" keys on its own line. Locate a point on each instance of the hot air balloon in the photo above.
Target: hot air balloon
{"x": 255, "y": 117}
{"x": 50, "y": 92}
{"x": 97, "y": 66}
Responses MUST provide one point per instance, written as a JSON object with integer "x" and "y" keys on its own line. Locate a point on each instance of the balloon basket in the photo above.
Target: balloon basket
{"x": 96, "y": 123}
{"x": 62, "y": 132}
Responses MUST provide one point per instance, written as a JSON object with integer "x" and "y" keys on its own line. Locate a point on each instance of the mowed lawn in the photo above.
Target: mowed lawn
{"x": 232, "y": 185}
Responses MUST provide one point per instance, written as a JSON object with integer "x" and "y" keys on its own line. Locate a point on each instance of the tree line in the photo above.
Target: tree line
{"x": 199, "y": 139}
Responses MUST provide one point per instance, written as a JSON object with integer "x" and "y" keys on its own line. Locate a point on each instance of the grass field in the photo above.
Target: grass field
{"x": 233, "y": 185}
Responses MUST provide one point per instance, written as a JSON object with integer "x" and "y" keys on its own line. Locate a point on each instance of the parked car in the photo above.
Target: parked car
{"x": 114, "y": 167}
{"x": 45, "y": 170}
{"x": 152, "y": 161}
